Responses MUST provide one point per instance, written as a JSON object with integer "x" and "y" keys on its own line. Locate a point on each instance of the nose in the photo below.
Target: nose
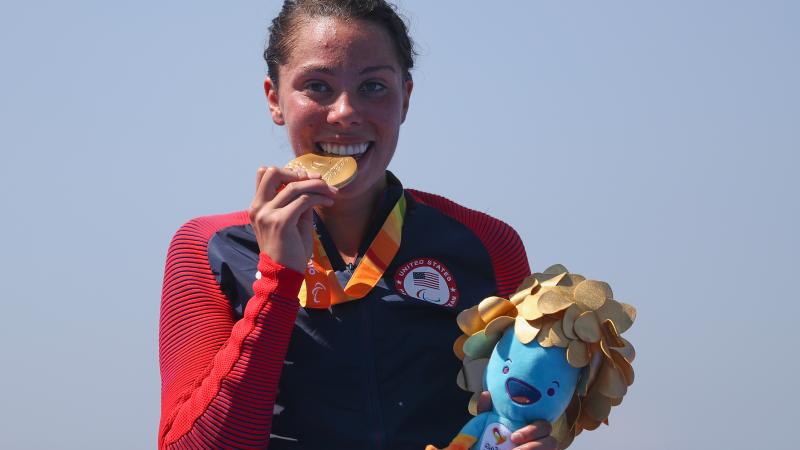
{"x": 343, "y": 112}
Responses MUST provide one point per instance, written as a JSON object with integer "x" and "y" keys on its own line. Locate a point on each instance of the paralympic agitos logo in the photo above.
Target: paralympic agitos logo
{"x": 427, "y": 279}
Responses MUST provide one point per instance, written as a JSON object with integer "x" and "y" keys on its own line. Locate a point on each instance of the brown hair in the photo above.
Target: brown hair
{"x": 379, "y": 12}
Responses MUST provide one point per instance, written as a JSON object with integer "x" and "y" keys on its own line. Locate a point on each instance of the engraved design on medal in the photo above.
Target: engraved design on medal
{"x": 333, "y": 172}
{"x": 337, "y": 171}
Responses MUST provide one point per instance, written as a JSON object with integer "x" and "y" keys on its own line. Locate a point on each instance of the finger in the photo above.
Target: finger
{"x": 272, "y": 179}
{"x": 310, "y": 174}
{"x": 547, "y": 443}
{"x": 484, "y": 402}
{"x": 300, "y": 171}
{"x": 302, "y": 204}
{"x": 259, "y": 175}
{"x": 298, "y": 188}
{"x": 533, "y": 432}
{"x": 301, "y": 175}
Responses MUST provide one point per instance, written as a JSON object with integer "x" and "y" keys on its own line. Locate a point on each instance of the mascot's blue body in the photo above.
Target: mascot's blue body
{"x": 527, "y": 383}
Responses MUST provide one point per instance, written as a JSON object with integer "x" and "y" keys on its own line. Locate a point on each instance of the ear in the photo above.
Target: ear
{"x": 271, "y": 90}
{"x": 408, "y": 86}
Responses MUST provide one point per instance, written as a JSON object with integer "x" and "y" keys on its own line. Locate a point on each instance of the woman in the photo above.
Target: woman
{"x": 367, "y": 362}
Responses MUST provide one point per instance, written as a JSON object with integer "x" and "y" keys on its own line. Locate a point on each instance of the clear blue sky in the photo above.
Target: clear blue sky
{"x": 650, "y": 143}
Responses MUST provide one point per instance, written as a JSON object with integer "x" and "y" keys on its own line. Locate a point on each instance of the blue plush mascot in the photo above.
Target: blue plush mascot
{"x": 553, "y": 351}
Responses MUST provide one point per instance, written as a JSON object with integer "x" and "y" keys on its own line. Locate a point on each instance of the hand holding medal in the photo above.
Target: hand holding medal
{"x": 281, "y": 209}
{"x": 321, "y": 289}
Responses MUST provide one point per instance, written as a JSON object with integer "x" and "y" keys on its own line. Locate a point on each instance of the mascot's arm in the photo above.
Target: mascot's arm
{"x": 468, "y": 435}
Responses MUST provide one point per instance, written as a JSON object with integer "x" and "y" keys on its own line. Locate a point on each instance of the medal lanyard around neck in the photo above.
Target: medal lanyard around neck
{"x": 321, "y": 288}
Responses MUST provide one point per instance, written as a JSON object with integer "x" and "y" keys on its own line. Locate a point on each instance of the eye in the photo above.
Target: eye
{"x": 505, "y": 368}
{"x": 551, "y": 391}
{"x": 316, "y": 87}
{"x": 373, "y": 87}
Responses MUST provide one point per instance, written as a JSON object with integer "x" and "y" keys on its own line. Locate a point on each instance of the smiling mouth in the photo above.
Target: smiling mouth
{"x": 521, "y": 392}
{"x": 354, "y": 150}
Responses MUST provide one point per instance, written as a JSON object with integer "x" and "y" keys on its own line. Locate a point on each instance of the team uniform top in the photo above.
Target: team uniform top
{"x": 244, "y": 366}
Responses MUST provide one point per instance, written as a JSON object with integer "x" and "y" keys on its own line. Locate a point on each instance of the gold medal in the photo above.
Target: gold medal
{"x": 337, "y": 171}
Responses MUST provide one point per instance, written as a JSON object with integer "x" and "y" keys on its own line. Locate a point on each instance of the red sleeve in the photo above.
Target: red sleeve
{"x": 219, "y": 378}
{"x": 509, "y": 260}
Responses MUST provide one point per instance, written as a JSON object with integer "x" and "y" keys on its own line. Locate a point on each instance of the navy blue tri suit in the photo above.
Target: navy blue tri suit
{"x": 379, "y": 373}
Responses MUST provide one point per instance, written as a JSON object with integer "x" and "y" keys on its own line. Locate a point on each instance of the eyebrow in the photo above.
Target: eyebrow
{"x": 330, "y": 71}
{"x": 322, "y": 69}
{"x": 377, "y": 68}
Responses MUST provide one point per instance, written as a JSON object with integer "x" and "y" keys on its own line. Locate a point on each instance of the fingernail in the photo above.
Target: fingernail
{"x": 516, "y": 436}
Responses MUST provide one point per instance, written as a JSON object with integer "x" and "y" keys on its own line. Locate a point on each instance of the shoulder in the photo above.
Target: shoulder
{"x": 501, "y": 241}
{"x": 190, "y": 243}
{"x": 490, "y": 230}
{"x": 188, "y": 262}
{"x": 200, "y": 229}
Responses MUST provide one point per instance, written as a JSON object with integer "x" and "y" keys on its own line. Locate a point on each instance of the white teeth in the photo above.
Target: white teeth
{"x": 344, "y": 150}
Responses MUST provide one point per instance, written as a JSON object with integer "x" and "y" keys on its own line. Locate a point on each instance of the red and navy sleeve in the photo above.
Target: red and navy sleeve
{"x": 506, "y": 252}
{"x": 219, "y": 377}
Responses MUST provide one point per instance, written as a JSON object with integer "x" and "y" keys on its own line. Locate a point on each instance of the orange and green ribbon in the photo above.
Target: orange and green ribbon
{"x": 321, "y": 288}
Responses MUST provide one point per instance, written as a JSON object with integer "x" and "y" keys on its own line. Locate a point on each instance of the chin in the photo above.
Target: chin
{"x": 364, "y": 184}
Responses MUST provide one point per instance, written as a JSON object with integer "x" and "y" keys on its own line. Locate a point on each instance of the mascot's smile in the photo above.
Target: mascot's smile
{"x": 521, "y": 392}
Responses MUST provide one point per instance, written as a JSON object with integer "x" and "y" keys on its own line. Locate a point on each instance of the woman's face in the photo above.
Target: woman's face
{"x": 342, "y": 91}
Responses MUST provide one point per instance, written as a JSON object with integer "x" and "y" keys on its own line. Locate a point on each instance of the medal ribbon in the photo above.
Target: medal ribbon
{"x": 321, "y": 288}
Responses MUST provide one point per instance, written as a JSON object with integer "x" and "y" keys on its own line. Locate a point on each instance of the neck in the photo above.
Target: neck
{"x": 347, "y": 220}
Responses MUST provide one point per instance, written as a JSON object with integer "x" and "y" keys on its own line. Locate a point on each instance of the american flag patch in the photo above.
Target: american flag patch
{"x": 426, "y": 279}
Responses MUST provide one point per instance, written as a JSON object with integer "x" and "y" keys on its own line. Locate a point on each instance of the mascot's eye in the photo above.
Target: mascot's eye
{"x": 551, "y": 391}
{"x": 505, "y": 368}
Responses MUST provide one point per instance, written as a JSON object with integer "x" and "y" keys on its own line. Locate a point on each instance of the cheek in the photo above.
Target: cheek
{"x": 299, "y": 108}
{"x": 302, "y": 119}
{"x": 302, "y": 116}
{"x": 389, "y": 113}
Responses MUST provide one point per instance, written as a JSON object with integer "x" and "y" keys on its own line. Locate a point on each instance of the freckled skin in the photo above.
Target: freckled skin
{"x": 342, "y": 83}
